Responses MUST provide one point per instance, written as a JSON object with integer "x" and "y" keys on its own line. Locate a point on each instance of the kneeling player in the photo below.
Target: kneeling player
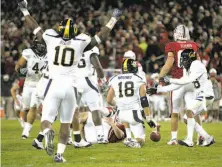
{"x": 129, "y": 89}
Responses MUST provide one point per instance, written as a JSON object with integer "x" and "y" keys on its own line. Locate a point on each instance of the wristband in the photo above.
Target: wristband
{"x": 111, "y": 23}
{"x": 98, "y": 40}
{"x": 25, "y": 12}
{"x": 36, "y": 30}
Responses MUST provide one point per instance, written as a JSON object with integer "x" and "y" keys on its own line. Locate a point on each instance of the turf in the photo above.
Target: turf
{"x": 19, "y": 153}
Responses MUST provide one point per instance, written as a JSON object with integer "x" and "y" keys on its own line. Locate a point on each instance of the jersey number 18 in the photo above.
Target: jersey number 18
{"x": 128, "y": 89}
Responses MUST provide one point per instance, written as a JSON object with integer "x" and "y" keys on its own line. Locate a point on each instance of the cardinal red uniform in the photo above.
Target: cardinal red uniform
{"x": 185, "y": 92}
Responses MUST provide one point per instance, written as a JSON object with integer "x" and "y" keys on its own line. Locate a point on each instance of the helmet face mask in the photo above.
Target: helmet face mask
{"x": 129, "y": 66}
{"x": 39, "y": 48}
{"x": 67, "y": 30}
{"x": 187, "y": 57}
{"x": 181, "y": 32}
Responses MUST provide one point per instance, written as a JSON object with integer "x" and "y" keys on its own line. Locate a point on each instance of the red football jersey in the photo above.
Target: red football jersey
{"x": 177, "y": 48}
{"x": 21, "y": 84}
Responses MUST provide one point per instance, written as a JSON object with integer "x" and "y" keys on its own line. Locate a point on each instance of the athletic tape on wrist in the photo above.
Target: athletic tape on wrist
{"x": 25, "y": 12}
{"x": 111, "y": 23}
{"x": 36, "y": 30}
{"x": 98, "y": 40}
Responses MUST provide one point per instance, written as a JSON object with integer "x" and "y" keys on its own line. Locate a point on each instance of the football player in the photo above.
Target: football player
{"x": 184, "y": 94}
{"x": 34, "y": 58}
{"x": 197, "y": 75}
{"x": 16, "y": 92}
{"x": 114, "y": 130}
{"x": 129, "y": 91}
{"x": 64, "y": 48}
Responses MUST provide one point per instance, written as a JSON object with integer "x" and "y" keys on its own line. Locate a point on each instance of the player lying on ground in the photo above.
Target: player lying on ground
{"x": 129, "y": 91}
{"x": 64, "y": 48}
{"x": 197, "y": 75}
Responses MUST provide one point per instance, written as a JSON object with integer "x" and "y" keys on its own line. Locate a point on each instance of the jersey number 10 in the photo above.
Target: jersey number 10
{"x": 128, "y": 89}
{"x": 64, "y": 60}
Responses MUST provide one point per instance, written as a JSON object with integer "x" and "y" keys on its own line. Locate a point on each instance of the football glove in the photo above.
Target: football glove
{"x": 116, "y": 13}
{"x": 151, "y": 91}
{"x": 23, "y": 5}
{"x": 23, "y": 71}
{"x": 151, "y": 122}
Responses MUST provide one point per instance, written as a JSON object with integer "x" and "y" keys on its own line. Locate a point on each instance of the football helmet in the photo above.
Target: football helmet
{"x": 38, "y": 47}
{"x": 129, "y": 66}
{"x": 187, "y": 57}
{"x": 181, "y": 32}
{"x": 67, "y": 30}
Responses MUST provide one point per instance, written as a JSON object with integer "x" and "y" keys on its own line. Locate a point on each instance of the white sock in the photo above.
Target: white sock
{"x": 45, "y": 131}
{"x": 27, "y": 126}
{"x": 76, "y": 132}
{"x": 61, "y": 148}
{"x": 99, "y": 130}
{"x": 201, "y": 132}
{"x": 190, "y": 128}
{"x": 70, "y": 132}
{"x": 173, "y": 134}
{"x": 41, "y": 133}
{"x": 128, "y": 133}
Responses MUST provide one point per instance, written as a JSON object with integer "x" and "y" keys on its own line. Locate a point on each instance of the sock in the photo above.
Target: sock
{"x": 173, "y": 134}
{"x": 201, "y": 132}
{"x": 190, "y": 128}
{"x": 27, "y": 126}
{"x": 40, "y": 137}
{"x": 77, "y": 136}
{"x": 45, "y": 131}
{"x": 61, "y": 148}
{"x": 70, "y": 133}
{"x": 99, "y": 130}
{"x": 128, "y": 133}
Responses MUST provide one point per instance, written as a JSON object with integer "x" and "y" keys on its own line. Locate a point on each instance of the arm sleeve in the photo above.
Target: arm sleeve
{"x": 169, "y": 88}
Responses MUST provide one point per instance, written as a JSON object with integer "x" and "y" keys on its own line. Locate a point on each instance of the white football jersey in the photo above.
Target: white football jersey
{"x": 85, "y": 68}
{"x": 63, "y": 56}
{"x": 34, "y": 66}
{"x": 197, "y": 74}
{"x": 126, "y": 87}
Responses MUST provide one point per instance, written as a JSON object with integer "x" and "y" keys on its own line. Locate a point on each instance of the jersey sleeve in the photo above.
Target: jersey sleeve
{"x": 49, "y": 34}
{"x": 95, "y": 50}
{"x": 26, "y": 54}
{"x": 170, "y": 47}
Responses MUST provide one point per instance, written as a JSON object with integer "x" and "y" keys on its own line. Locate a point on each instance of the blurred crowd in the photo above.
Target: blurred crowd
{"x": 145, "y": 27}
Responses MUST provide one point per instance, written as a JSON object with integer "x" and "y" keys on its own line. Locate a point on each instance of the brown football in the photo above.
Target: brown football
{"x": 155, "y": 136}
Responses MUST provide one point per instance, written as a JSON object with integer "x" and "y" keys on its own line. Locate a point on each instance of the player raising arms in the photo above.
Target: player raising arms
{"x": 129, "y": 89}
{"x": 64, "y": 50}
{"x": 184, "y": 93}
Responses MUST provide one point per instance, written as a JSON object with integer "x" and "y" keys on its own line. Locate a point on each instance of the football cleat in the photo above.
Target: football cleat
{"x": 37, "y": 144}
{"x": 208, "y": 141}
{"x": 172, "y": 142}
{"x": 81, "y": 144}
{"x": 25, "y": 134}
{"x": 59, "y": 158}
{"x": 133, "y": 144}
{"x": 185, "y": 143}
{"x": 70, "y": 142}
{"x": 127, "y": 141}
{"x": 102, "y": 140}
{"x": 49, "y": 145}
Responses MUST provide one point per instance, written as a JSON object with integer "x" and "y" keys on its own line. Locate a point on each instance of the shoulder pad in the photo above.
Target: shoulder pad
{"x": 95, "y": 50}
{"x": 51, "y": 32}
{"x": 83, "y": 36}
{"x": 27, "y": 52}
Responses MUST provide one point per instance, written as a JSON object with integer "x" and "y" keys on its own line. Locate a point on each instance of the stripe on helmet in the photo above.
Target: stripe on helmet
{"x": 66, "y": 32}
{"x": 125, "y": 65}
{"x": 183, "y": 31}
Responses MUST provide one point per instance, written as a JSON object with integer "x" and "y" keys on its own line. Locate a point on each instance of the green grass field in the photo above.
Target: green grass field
{"x": 19, "y": 153}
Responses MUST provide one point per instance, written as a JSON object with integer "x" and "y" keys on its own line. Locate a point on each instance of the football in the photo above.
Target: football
{"x": 155, "y": 135}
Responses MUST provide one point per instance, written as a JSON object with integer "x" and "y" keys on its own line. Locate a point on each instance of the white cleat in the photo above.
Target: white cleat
{"x": 133, "y": 144}
{"x": 127, "y": 141}
{"x": 25, "y": 134}
{"x": 185, "y": 143}
{"x": 82, "y": 144}
{"x": 37, "y": 144}
{"x": 58, "y": 158}
{"x": 172, "y": 142}
{"x": 208, "y": 141}
{"x": 70, "y": 142}
{"x": 102, "y": 140}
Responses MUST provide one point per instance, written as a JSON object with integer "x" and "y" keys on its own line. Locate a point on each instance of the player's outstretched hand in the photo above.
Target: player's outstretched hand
{"x": 151, "y": 91}
{"x": 117, "y": 13}
{"x": 164, "y": 80}
{"x": 23, "y": 5}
